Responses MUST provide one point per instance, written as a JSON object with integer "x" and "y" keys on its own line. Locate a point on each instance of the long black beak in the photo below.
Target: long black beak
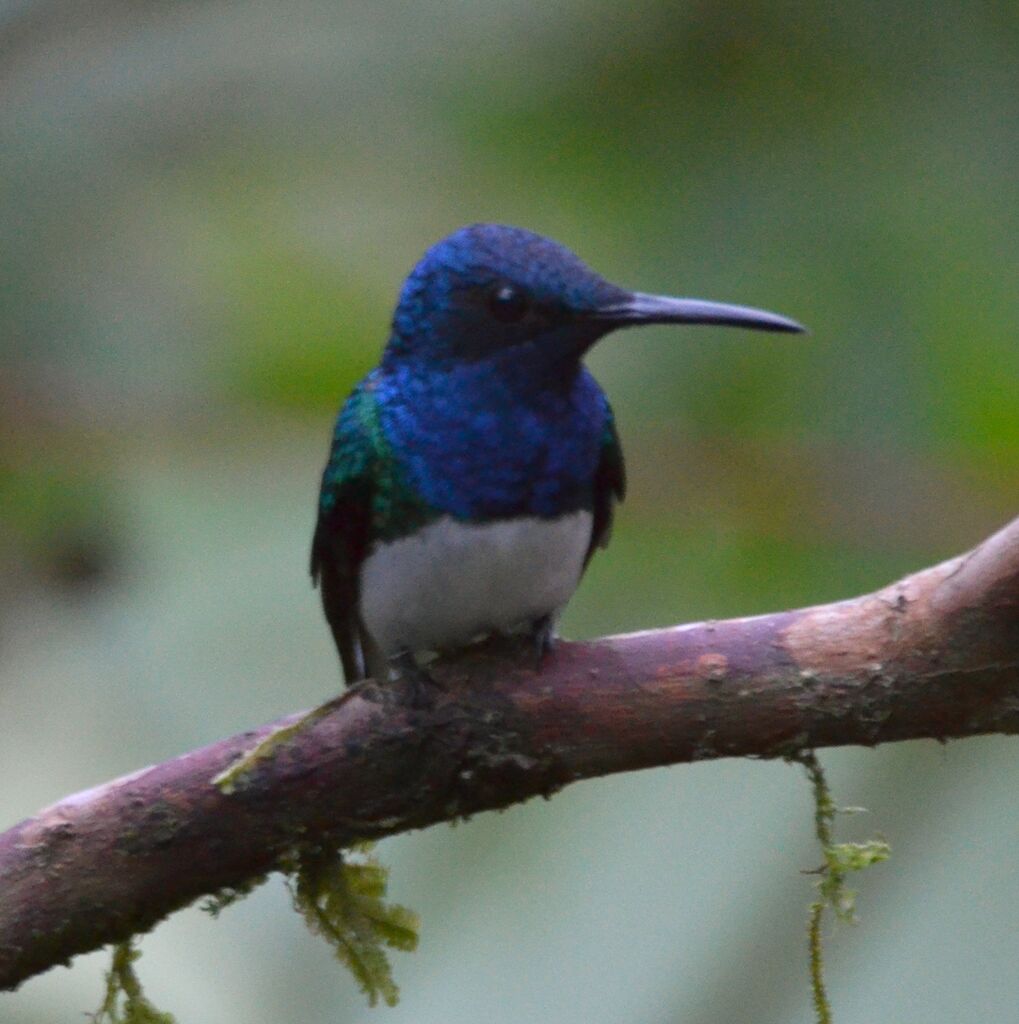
{"x": 659, "y": 309}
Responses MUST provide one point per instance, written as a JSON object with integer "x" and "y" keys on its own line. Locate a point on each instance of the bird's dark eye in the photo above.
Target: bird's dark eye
{"x": 508, "y": 302}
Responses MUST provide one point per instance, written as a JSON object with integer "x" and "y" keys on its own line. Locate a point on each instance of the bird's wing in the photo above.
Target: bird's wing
{"x": 609, "y": 487}
{"x": 343, "y": 529}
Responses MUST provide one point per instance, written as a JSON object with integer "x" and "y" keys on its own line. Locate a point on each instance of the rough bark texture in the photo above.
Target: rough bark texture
{"x": 934, "y": 655}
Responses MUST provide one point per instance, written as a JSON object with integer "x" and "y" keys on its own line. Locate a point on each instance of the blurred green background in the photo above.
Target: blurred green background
{"x": 206, "y": 210}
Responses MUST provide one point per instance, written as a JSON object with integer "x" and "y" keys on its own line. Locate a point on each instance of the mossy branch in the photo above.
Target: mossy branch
{"x": 125, "y": 1002}
{"x": 342, "y": 898}
{"x": 839, "y": 860}
{"x": 934, "y": 655}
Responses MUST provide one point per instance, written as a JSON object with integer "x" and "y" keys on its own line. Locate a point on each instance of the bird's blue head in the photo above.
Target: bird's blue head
{"x": 489, "y": 291}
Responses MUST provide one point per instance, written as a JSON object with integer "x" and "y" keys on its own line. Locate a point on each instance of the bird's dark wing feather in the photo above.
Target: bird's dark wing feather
{"x": 342, "y": 533}
{"x": 609, "y": 487}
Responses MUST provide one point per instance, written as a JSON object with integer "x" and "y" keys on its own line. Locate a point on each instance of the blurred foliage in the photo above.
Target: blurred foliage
{"x": 57, "y": 514}
{"x": 207, "y": 211}
{"x": 274, "y": 365}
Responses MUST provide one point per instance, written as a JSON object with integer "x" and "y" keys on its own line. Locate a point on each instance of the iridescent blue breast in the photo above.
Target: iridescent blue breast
{"x": 478, "y": 445}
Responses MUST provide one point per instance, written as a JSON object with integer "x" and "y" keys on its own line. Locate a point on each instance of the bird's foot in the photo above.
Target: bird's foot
{"x": 543, "y": 639}
{"x": 421, "y": 686}
{"x": 234, "y": 774}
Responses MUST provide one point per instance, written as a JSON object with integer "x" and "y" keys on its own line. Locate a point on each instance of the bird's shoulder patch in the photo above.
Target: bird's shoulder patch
{"x": 344, "y": 529}
{"x": 365, "y": 496}
{"x": 357, "y": 446}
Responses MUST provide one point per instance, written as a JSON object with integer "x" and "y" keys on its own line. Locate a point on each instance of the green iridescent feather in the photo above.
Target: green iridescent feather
{"x": 364, "y": 499}
{"x": 361, "y": 464}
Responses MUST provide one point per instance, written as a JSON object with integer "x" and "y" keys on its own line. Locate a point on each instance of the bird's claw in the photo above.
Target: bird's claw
{"x": 421, "y": 685}
{"x": 543, "y": 640}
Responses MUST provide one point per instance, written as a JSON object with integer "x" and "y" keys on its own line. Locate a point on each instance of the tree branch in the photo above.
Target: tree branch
{"x": 934, "y": 655}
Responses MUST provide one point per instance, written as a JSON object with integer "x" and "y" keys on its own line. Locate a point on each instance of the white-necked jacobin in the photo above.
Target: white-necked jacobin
{"x": 474, "y": 472}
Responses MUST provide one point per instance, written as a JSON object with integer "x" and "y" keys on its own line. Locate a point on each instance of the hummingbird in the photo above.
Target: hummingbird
{"x": 474, "y": 472}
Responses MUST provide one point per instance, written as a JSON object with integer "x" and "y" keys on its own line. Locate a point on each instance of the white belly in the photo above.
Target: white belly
{"x": 452, "y": 581}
